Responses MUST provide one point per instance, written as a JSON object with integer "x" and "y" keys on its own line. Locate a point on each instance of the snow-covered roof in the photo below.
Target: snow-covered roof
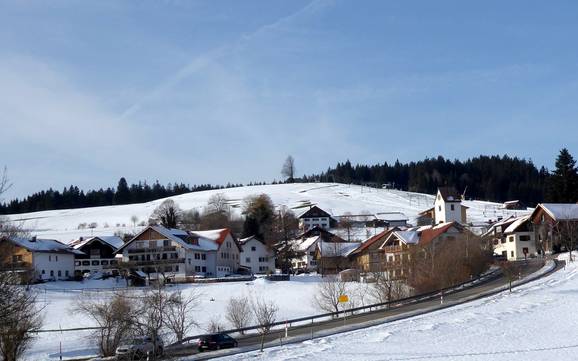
{"x": 336, "y": 249}
{"x": 207, "y": 240}
{"x": 561, "y": 211}
{"x": 408, "y": 237}
{"x": 391, "y": 216}
{"x": 517, "y": 223}
{"x": 114, "y": 241}
{"x": 305, "y": 244}
{"x": 43, "y": 245}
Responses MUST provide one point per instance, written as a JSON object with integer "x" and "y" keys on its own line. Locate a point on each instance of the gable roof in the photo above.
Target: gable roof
{"x": 113, "y": 241}
{"x": 450, "y": 194}
{"x": 42, "y": 245}
{"x": 207, "y": 240}
{"x": 332, "y": 249}
{"x": 430, "y": 234}
{"x": 323, "y": 233}
{"x": 559, "y": 211}
{"x": 305, "y": 244}
{"x": 517, "y": 224}
{"x": 314, "y": 212}
{"x": 371, "y": 240}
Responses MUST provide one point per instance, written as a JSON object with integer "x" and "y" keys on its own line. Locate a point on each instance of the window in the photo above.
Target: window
{"x": 59, "y": 273}
{"x": 113, "y": 262}
{"x": 440, "y": 208}
{"x": 17, "y": 258}
{"x": 164, "y": 256}
{"x": 511, "y": 238}
{"x": 43, "y": 272}
{"x": 148, "y": 257}
{"x": 95, "y": 263}
{"x": 77, "y": 263}
{"x": 248, "y": 259}
{"x": 197, "y": 256}
{"x": 95, "y": 252}
{"x": 253, "y": 248}
{"x": 312, "y": 253}
{"x": 524, "y": 238}
{"x": 66, "y": 273}
{"x": 525, "y": 250}
{"x": 177, "y": 268}
{"x": 49, "y": 258}
{"x": 197, "y": 268}
{"x": 166, "y": 243}
{"x": 452, "y": 207}
{"x": 203, "y": 256}
{"x": 313, "y": 263}
{"x": 204, "y": 269}
{"x": 56, "y": 258}
{"x": 86, "y": 263}
{"x": 189, "y": 260}
{"x": 51, "y": 273}
{"x": 104, "y": 263}
{"x": 512, "y": 253}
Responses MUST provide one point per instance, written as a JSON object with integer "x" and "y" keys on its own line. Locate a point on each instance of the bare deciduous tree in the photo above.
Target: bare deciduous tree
{"x": 346, "y": 222}
{"x": 511, "y": 271}
{"x": 19, "y": 318}
{"x": 167, "y": 214}
{"x": 134, "y": 220}
{"x": 265, "y": 313}
{"x": 288, "y": 169}
{"x": 239, "y": 312}
{"x": 116, "y": 317}
{"x": 328, "y": 292}
{"x": 386, "y": 289}
{"x": 179, "y": 312}
{"x": 215, "y": 325}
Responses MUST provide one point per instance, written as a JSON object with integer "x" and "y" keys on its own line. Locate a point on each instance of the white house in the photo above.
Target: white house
{"x": 448, "y": 206}
{"x": 305, "y": 249}
{"x": 315, "y": 217}
{"x": 173, "y": 253}
{"x": 517, "y": 240}
{"x": 256, "y": 255}
{"x": 42, "y": 259}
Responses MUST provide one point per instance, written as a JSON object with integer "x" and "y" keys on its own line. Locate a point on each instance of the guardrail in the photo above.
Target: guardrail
{"x": 309, "y": 320}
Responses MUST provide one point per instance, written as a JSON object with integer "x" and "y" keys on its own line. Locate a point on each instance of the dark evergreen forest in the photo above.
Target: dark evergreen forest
{"x": 492, "y": 178}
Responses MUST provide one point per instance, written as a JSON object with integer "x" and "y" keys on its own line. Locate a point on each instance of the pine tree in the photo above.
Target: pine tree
{"x": 563, "y": 182}
{"x": 122, "y": 194}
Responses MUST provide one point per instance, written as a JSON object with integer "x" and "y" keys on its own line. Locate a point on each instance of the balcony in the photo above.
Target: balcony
{"x": 16, "y": 266}
{"x": 158, "y": 262}
{"x": 152, "y": 250}
{"x": 392, "y": 249}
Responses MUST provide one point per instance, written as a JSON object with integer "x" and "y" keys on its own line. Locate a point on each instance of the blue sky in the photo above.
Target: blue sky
{"x": 219, "y": 91}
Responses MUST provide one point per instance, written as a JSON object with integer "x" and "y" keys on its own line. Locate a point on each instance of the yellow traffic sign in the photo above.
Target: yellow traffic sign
{"x": 343, "y": 299}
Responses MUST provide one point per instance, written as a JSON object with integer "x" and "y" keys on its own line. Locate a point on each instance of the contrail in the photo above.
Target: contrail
{"x": 204, "y": 60}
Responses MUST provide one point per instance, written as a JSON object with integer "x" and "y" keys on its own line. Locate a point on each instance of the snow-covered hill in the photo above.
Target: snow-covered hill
{"x": 334, "y": 198}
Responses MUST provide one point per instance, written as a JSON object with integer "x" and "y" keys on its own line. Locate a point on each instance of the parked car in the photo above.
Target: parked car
{"x": 216, "y": 342}
{"x": 139, "y": 348}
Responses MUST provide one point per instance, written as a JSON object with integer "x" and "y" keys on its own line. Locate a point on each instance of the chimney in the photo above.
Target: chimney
{"x": 81, "y": 239}
{"x": 33, "y": 239}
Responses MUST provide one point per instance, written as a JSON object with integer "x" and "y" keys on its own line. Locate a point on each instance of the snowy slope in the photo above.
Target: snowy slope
{"x": 334, "y": 198}
{"x": 536, "y": 322}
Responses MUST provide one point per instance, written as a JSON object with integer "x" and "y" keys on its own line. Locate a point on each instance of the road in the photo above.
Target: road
{"x": 366, "y": 319}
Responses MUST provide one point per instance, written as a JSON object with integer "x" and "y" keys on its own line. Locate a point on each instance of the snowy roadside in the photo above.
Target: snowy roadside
{"x": 516, "y": 326}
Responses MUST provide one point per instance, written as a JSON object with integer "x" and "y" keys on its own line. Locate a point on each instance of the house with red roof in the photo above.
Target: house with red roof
{"x": 398, "y": 245}
{"x": 163, "y": 253}
{"x": 368, "y": 257}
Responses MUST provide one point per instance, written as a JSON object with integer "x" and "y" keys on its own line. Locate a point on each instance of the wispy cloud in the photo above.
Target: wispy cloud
{"x": 202, "y": 61}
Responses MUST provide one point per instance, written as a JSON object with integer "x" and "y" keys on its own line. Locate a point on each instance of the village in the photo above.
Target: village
{"x": 324, "y": 244}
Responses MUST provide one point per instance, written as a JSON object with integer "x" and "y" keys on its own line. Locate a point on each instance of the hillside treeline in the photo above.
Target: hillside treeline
{"x": 494, "y": 178}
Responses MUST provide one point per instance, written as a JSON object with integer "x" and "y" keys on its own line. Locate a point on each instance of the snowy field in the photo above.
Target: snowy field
{"x": 294, "y": 298}
{"x": 535, "y": 322}
{"x": 337, "y": 199}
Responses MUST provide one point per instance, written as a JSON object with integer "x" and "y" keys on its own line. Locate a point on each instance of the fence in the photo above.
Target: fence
{"x": 310, "y": 320}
